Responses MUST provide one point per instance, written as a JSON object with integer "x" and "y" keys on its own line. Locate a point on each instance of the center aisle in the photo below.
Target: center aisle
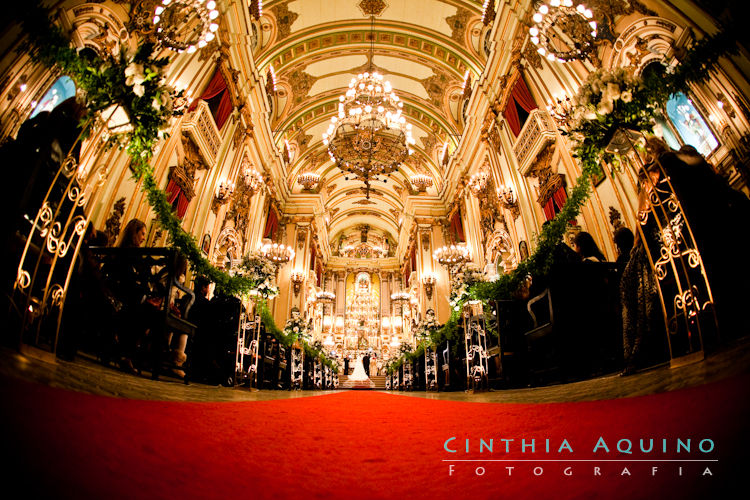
{"x": 366, "y": 444}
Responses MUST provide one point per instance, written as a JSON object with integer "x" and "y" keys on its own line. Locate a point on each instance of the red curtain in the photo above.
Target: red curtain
{"x": 560, "y": 196}
{"x": 457, "y": 227}
{"x": 217, "y": 86}
{"x": 312, "y": 256}
{"x": 555, "y": 204}
{"x": 272, "y": 224}
{"x": 520, "y": 96}
{"x": 549, "y": 210}
{"x": 174, "y": 193}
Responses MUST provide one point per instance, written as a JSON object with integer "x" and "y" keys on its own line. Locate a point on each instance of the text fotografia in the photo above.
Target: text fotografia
{"x": 623, "y": 457}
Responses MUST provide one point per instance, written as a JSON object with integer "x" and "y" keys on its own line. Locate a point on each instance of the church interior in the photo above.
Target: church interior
{"x": 220, "y": 209}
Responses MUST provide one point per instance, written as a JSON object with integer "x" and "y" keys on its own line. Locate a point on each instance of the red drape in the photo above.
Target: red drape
{"x": 217, "y": 86}
{"x": 457, "y": 227}
{"x": 520, "y": 96}
{"x": 555, "y": 204}
{"x": 174, "y": 193}
{"x": 272, "y": 224}
{"x": 560, "y": 196}
{"x": 549, "y": 210}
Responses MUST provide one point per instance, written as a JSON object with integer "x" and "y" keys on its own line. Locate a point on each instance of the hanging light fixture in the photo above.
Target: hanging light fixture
{"x": 369, "y": 138}
{"x": 186, "y": 25}
{"x": 277, "y": 253}
{"x": 562, "y": 32}
{"x": 452, "y": 255}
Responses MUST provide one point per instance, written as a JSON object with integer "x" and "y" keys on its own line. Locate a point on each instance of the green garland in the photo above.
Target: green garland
{"x": 105, "y": 82}
{"x": 592, "y": 134}
{"x": 287, "y": 340}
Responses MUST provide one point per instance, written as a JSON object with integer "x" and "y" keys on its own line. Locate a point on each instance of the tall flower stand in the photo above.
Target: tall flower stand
{"x": 430, "y": 369}
{"x": 475, "y": 341}
{"x": 298, "y": 366}
{"x": 408, "y": 378}
{"x": 318, "y": 375}
{"x": 248, "y": 339}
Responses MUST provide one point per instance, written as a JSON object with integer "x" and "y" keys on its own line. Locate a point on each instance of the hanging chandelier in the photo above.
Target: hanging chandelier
{"x": 369, "y": 138}
{"x": 562, "y": 32}
{"x": 186, "y": 25}
{"x": 277, "y": 253}
{"x": 452, "y": 255}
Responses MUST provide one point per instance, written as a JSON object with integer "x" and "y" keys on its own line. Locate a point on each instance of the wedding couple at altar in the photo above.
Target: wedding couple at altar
{"x": 361, "y": 368}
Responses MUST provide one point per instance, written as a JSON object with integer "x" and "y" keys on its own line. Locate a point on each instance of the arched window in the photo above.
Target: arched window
{"x": 61, "y": 90}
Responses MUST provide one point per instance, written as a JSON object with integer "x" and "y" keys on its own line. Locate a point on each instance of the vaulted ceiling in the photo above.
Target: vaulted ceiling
{"x": 423, "y": 47}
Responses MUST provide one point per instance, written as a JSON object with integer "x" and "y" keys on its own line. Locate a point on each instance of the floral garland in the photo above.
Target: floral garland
{"x": 606, "y": 102}
{"x": 314, "y": 351}
{"x": 134, "y": 83}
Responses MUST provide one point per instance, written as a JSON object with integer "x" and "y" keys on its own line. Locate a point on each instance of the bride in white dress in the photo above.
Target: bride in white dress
{"x": 359, "y": 371}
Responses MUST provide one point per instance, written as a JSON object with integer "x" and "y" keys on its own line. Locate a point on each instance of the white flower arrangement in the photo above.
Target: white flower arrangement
{"x": 599, "y": 94}
{"x": 460, "y": 284}
{"x": 297, "y": 327}
{"x": 260, "y": 271}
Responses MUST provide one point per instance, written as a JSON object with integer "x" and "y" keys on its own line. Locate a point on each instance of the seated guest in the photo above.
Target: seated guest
{"x": 585, "y": 246}
{"x": 178, "y": 306}
{"x": 199, "y": 316}
{"x": 130, "y": 283}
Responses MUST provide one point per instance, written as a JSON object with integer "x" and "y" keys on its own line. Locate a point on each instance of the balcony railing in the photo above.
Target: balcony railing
{"x": 538, "y": 131}
{"x": 201, "y": 127}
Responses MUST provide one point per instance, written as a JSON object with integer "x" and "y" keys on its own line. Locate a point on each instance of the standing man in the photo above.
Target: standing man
{"x": 366, "y": 363}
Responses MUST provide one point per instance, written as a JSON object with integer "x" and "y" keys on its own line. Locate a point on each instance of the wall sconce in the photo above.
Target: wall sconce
{"x": 339, "y": 324}
{"x": 308, "y": 180}
{"x": 224, "y": 192}
{"x": 478, "y": 182}
{"x": 429, "y": 280}
{"x": 508, "y": 200}
{"x": 297, "y": 278}
{"x": 252, "y": 178}
{"x": 421, "y": 182}
{"x": 386, "y": 323}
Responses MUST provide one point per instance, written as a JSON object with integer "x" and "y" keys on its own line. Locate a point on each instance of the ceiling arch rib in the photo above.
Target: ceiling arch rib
{"x": 321, "y": 41}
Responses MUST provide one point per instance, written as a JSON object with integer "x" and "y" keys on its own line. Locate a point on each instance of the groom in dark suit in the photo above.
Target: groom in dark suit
{"x": 366, "y": 364}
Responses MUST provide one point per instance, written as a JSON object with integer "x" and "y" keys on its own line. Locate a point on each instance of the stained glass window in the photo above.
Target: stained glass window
{"x": 690, "y": 124}
{"x": 61, "y": 90}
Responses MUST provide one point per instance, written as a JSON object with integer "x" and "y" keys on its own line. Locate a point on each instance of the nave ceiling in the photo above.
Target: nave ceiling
{"x": 425, "y": 48}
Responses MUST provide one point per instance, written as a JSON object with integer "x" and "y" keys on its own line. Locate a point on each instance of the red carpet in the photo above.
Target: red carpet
{"x": 366, "y": 445}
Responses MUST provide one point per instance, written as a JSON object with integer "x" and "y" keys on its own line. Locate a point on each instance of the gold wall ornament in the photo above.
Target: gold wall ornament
{"x": 224, "y": 192}
{"x": 508, "y": 200}
{"x": 112, "y": 224}
{"x": 488, "y": 12}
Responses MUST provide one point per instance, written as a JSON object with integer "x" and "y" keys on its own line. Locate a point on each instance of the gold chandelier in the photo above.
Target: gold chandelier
{"x": 369, "y": 138}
